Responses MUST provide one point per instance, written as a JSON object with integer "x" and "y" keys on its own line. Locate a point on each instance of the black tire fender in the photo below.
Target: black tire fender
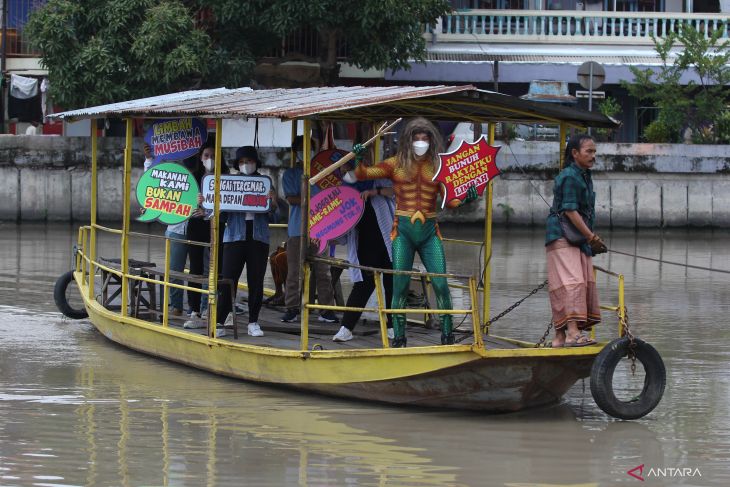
{"x": 602, "y": 372}
{"x": 59, "y": 296}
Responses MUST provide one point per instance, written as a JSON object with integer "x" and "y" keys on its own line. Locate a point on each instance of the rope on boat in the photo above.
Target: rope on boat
{"x": 662, "y": 261}
{"x": 724, "y": 271}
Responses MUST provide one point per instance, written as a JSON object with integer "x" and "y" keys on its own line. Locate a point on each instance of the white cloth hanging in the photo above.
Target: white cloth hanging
{"x": 44, "y": 98}
{"x": 22, "y": 87}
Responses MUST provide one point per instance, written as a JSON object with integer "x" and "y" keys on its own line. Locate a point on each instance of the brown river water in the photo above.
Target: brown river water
{"x": 76, "y": 409}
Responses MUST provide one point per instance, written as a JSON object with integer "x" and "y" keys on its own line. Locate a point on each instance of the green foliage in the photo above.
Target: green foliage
{"x": 723, "y": 128}
{"x": 380, "y": 34}
{"x": 609, "y": 107}
{"x": 658, "y": 132}
{"x": 697, "y": 105}
{"x": 101, "y": 51}
{"x": 507, "y": 210}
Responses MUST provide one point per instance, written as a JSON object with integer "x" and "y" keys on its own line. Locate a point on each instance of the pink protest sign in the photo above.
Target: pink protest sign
{"x": 332, "y": 212}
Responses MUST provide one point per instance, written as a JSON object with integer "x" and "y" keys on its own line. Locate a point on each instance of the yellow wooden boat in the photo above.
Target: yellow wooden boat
{"x": 480, "y": 372}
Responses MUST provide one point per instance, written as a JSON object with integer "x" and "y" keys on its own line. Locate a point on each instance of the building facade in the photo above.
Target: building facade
{"x": 504, "y": 45}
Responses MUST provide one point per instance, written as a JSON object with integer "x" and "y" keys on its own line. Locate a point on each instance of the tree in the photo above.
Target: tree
{"x": 698, "y": 106}
{"x": 101, "y": 51}
{"x": 380, "y": 34}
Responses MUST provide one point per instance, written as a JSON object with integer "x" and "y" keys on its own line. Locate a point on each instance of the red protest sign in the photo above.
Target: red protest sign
{"x": 471, "y": 164}
{"x": 322, "y": 161}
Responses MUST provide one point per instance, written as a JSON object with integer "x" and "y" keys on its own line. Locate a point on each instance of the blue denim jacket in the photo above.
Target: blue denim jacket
{"x": 236, "y": 226}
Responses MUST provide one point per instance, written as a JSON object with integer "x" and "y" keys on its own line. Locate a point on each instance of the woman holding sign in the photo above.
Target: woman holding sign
{"x": 199, "y": 231}
{"x": 246, "y": 244}
{"x": 415, "y": 228}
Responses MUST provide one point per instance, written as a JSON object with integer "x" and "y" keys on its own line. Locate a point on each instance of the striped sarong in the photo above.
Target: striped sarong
{"x": 572, "y": 286}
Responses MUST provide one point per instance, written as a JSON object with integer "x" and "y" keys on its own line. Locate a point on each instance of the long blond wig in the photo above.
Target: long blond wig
{"x": 406, "y": 156}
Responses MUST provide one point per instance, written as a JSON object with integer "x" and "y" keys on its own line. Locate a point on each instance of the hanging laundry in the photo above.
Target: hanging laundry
{"x": 44, "y": 99}
{"x": 24, "y": 100}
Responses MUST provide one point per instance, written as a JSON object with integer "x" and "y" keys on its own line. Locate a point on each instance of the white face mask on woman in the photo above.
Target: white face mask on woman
{"x": 208, "y": 164}
{"x": 247, "y": 169}
{"x": 420, "y": 147}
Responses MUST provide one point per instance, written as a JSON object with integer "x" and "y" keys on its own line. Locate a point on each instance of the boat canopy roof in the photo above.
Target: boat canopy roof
{"x": 367, "y": 103}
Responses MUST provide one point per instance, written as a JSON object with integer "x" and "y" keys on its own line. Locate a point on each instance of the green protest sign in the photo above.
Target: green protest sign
{"x": 168, "y": 193}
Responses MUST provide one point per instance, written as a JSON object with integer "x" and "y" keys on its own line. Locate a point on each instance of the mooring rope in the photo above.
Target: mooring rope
{"x": 661, "y": 261}
{"x": 702, "y": 268}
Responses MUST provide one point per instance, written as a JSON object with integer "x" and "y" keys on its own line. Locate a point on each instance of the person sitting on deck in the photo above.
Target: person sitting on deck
{"x": 246, "y": 244}
{"x": 415, "y": 228}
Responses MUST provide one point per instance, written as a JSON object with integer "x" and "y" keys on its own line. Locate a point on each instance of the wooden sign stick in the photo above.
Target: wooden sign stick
{"x": 384, "y": 128}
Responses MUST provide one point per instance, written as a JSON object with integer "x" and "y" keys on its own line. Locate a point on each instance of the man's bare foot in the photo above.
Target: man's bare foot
{"x": 559, "y": 340}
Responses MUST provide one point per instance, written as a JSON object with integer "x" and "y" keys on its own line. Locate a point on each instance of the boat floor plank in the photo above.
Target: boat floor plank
{"x": 286, "y": 336}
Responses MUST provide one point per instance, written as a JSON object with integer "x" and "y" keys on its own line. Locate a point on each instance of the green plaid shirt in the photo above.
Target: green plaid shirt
{"x": 573, "y": 190}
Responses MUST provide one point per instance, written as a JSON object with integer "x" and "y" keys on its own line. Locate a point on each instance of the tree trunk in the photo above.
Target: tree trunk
{"x": 329, "y": 68}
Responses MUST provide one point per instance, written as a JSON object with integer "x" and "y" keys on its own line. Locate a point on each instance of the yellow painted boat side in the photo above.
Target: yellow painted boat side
{"x": 292, "y": 367}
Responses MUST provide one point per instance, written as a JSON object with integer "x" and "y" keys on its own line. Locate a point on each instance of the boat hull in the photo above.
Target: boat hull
{"x": 491, "y": 385}
{"x": 458, "y": 377}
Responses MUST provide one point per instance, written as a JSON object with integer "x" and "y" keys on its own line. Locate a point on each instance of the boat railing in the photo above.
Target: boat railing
{"x": 382, "y": 310}
{"x": 620, "y": 307}
{"x": 89, "y": 263}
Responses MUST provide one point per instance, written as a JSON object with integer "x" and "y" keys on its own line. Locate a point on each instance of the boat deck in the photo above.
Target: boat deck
{"x": 366, "y": 334}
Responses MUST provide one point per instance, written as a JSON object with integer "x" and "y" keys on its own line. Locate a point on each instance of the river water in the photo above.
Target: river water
{"x": 76, "y": 409}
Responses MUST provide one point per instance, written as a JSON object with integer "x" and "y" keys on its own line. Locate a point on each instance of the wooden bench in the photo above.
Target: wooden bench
{"x": 137, "y": 287}
{"x": 198, "y": 279}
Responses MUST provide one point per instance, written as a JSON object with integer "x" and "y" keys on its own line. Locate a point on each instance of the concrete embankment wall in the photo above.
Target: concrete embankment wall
{"x": 637, "y": 185}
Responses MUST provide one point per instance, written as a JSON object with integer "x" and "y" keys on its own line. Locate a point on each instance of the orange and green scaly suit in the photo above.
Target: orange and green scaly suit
{"x": 415, "y": 230}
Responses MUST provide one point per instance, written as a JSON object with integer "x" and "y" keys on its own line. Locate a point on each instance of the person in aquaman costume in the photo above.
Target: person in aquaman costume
{"x": 415, "y": 228}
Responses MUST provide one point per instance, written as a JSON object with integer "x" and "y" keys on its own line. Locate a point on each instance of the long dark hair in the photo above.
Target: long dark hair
{"x": 418, "y": 125}
{"x": 575, "y": 142}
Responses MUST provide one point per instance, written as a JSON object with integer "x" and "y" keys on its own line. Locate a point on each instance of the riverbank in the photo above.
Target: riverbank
{"x": 637, "y": 185}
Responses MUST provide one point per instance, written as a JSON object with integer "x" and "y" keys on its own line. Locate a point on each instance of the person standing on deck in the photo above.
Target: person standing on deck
{"x": 200, "y": 230}
{"x": 415, "y": 228}
{"x": 178, "y": 248}
{"x": 368, "y": 244}
{"x": 246, "y": 244}
{"x": 572, "y": 286}
{"x": 292, "y": 183}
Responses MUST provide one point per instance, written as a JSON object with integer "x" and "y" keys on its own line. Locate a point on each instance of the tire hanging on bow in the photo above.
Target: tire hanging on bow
{"x": 603, "y": 370}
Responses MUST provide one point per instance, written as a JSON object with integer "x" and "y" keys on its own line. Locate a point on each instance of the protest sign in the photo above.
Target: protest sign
{"x": 471, "y": 164}
{"x": 332, "y": 212}
{"x": 238, "y": 193}
{"x": 176, "y": 139}
{"x": 168, "y": 193}
{"x": 321, "y": 161}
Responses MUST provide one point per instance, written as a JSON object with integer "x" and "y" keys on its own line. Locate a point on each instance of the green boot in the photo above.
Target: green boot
{"x": 399, "y": 331}
{"x": 447, "y": 334}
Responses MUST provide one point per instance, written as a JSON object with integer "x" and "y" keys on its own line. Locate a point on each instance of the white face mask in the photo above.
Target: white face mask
{"x": 208, "y": 164}
{"x": 247, "y": 168}
{"x": 420, "y": 147}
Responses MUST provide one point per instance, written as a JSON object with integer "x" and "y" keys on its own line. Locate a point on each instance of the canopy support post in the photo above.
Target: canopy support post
{"x": 125, "y": 222}
{"x": 488, "y": 240}
{"x": 563, "y": 135}
{"x": 304, "y": 243}
{"x": 94, "y": 182}
{"x": 214, "y": 235}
